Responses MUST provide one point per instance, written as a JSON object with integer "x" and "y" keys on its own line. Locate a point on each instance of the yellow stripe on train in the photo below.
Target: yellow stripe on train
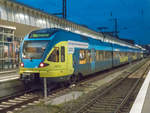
{"x": 124, "y": 59}
{"x": 134, "y": 57}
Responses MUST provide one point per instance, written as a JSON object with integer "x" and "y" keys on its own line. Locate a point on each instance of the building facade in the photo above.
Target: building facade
{"x": 9, "y": 49}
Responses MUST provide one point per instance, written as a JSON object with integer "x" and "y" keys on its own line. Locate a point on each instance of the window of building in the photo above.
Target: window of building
{"x": 54, "y": 56}
{"x": 62, "y": 54}
{"x": 1, "y": 38}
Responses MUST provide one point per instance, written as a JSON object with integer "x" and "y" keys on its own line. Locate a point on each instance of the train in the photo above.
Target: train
{"x": 63, "y": 56}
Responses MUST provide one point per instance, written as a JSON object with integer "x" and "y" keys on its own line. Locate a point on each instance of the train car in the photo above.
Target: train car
{"x": 63, "y": 56}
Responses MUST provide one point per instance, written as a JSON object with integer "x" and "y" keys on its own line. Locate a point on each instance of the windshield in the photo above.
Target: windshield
{"x": 34, "y": 49}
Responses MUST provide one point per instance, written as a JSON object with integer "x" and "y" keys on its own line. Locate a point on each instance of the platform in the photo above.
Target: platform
{"x": 10, "y": 83}
{"x": 8, "y": 76}
{"x": 142, "y": 102}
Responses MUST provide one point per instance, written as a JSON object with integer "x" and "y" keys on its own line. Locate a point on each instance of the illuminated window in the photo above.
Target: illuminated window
{"x": 97, "y": 55}
{"x": 108, "y": 54}
{"x": 101, "y": 55}
{"x": 82, "y": 57}
{"x": 88, "y": 56}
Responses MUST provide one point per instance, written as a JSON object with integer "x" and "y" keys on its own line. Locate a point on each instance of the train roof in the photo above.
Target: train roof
{"x": 103, "y": 38}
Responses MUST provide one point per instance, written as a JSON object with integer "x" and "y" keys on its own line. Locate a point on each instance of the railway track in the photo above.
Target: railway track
{"x": 30, "y": 97}
{"x": 25, "y": 98}
{"x": 116, "y": 98}
{"x": 17, "y": 100}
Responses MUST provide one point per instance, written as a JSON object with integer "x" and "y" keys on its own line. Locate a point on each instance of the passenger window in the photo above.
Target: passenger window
{"x": 82, "y": 56}
{"x": 54, "y": 56}
{"x": 88, "y": 56}
{"x": 100, "y": 55}
{"x": 104, "y": 55}
{"x": 97, "y": 55}
{"x": 62, "y": 54}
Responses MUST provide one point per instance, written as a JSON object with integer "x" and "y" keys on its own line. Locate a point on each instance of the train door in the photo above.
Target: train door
{"x": 58, "y": 59}
{"x": 76, "y": 61}
{"x": 93, "y": 60}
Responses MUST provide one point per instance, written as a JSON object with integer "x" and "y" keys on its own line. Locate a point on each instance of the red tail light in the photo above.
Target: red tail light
{"x": 21, "y": 64}
{"x": 43, "y": 64}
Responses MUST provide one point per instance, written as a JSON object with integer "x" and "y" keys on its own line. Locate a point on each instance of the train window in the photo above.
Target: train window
{"x": 54, "y": 56}
{"x": 114, "y": 54}
{"x": 97, "y": 55}
{"x": 110, "y": 55}
{"x": 125, "y": 53}
{"x": 122, "y": 54}
{"x": 62, "y": 54}
{"x": 88, "y": 56}
{"x": 104, "y": 55}
{"x": 101, "y": 55}
{"x": 82, "y": 56}
{"x": 107, "y": 55}
{"x": 118, "y": 54}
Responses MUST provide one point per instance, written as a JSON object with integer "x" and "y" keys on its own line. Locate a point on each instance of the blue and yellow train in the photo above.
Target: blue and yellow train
{"x": 61, "y": 56}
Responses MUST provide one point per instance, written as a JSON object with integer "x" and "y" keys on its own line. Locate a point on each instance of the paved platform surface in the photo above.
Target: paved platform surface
{"x": 9, "y": 75}
{"x": 142, "y": 102}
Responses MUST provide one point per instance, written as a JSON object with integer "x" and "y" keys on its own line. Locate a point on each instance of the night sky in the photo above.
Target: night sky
{"x": 133, "y": 15}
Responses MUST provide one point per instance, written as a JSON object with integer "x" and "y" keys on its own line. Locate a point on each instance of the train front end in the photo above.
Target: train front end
{"x": 33, "y": 52}
{"x": 44, "y": 54}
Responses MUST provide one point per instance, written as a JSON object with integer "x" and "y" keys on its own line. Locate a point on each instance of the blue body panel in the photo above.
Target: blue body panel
{"x": 34, "y": 63}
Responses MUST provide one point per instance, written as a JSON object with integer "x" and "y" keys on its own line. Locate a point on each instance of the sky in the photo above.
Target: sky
{"x": 132, "y": 15}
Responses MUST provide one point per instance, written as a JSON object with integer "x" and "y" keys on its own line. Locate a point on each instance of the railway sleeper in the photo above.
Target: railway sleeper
{"x": 124, "y": 110}
{"x": 100, "y": 111}
{"x": 8, "y": 103}
{"x": 111, "y": 101}
{"x": 112, "y": 98}
{"x": 108, "y": 102}
{"x": 103, "y": 108}
{"x": 102, "y": 105}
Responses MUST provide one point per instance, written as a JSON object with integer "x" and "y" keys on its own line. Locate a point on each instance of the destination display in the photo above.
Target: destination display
{"x": 40, "y": 35}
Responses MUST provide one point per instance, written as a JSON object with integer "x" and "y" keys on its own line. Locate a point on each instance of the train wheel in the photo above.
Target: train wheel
{"x": 79, "y": 77}
{"x": 73, "y": 79}
{"x": 27, "y": 85}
